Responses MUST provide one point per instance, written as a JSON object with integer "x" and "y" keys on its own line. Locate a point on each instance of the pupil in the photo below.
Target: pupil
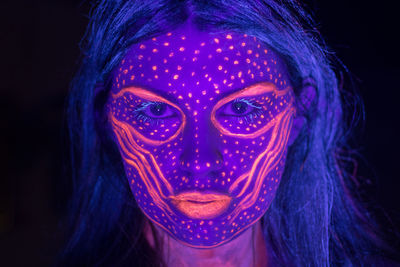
{"x": 157, "y": 109}
{"x": 239, "y": 107}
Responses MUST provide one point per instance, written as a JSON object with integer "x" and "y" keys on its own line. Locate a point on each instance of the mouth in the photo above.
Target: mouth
{"x": 198, "y": 205}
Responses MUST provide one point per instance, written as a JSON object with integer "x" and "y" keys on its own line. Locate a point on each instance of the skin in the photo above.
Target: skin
{"x": 203, "y": 123}
{"x": 249, "y": 249}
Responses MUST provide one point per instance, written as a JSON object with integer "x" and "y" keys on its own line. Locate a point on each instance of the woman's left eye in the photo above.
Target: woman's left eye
{"x": 242, "y": 109}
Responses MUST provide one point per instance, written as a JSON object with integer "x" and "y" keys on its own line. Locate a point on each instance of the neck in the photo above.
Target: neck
{"x": 249, "y": 249}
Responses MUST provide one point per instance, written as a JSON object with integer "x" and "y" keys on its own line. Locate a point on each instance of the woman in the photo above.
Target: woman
{"x": 208, "y": 134}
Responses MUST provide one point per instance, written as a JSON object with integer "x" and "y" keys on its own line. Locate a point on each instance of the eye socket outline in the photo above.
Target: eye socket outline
{"x": 148, "y": 95}
{"x": 253, "y": 90}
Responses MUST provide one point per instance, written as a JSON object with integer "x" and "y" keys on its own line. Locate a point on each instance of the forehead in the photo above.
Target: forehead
{"x": 189, "y": 61}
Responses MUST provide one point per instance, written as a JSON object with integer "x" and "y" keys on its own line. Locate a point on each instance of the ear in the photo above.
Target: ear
{"x": 98, "y": 88}
{"x": 303, "y": 102}
{"x": 99, "y": 102}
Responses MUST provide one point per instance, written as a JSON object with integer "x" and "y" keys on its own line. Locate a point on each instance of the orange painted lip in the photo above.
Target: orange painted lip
{"x": 198, "y": 205}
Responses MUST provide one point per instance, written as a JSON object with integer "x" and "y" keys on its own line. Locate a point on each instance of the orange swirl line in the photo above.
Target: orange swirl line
{"x": 156, "y": 197}
{"x": 277, "y": 120}
{"x": 126, "y": 128}
{"x": 246, "y": 202}
{"x": 131, "y": 159}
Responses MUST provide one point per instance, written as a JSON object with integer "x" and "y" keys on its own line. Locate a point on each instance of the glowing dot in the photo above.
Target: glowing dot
{"x": 154, "y": 67}
{"x": 265, "y": 51}
{"x": 203, "y": 92}
{"x": 229, "y": 36}
{"x": 132, "y": 77}
{"x": 196, "y": 52}
{"x": 189, "y": 94}
{"x": 219, "y": 67}
{"x": 243, "y": 44}
{"x": 231, "y": 47}
{"x": 240, "y": 74}
{"x": 249, "y": 52}
{"x": 235, "y": 62}
{"x": 208, "y": 164}
{"x": 193, "y": 73}
{"x": 142, "y": 46}
{"x": 155, "y": 50}
{"x": 169, "y": 34}
{"x": 194, "y": 59}
{"x": 183, "y": 37}
{"x": 171, "y": 54}
{"x": 195, "y": 113}
{"x": 181, "y": 49}
{"x": 166, "y": 44}
{"x": 203, "y": 44}
{"x": 179, "y": 67}
{"x": 176, "y": 76}
{"x": 248, "y": 60}
{"x": 216, "y": 40}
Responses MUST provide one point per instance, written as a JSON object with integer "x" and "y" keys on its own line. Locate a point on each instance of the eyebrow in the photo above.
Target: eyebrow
{"x": 144, "y": 93}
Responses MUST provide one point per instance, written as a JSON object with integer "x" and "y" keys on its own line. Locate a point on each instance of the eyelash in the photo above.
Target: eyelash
{"x": 248, "y": 118}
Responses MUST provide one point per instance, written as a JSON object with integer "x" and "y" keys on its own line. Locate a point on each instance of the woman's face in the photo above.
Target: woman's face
{"x": 202, "y": 122}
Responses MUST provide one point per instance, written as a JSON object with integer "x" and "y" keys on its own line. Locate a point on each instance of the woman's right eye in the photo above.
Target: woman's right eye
{"x": 153, "y": 111}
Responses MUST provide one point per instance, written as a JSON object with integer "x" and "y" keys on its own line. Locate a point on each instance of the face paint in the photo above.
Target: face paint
{"x": 202, "y": 122}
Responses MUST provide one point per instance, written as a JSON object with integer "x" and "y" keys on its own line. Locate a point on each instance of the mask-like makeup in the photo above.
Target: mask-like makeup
{"x": 202, "y": 123}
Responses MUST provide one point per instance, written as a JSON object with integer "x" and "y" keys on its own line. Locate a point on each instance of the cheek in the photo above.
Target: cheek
{"x": 241, "y": 154}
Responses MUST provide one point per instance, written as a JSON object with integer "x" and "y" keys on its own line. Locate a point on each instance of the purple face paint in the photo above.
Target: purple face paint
{"x": 202, "y": 122}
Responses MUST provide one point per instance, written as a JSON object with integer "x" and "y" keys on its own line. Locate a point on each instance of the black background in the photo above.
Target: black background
{"x": 39, "y": 56}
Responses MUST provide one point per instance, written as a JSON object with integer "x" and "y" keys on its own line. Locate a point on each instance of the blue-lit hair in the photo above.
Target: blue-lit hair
{"x": 314, "y": 220}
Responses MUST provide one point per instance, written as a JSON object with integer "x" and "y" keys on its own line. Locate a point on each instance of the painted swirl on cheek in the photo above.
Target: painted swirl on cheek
{"x": 135, "y": 155}
{"x": 279, "y": 125}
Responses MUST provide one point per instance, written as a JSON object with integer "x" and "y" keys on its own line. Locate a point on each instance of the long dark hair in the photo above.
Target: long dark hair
{"x": 315, "y": 220}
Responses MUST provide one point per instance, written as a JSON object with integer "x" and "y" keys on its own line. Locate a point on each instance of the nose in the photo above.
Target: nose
{"x": 200, "y": 155}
